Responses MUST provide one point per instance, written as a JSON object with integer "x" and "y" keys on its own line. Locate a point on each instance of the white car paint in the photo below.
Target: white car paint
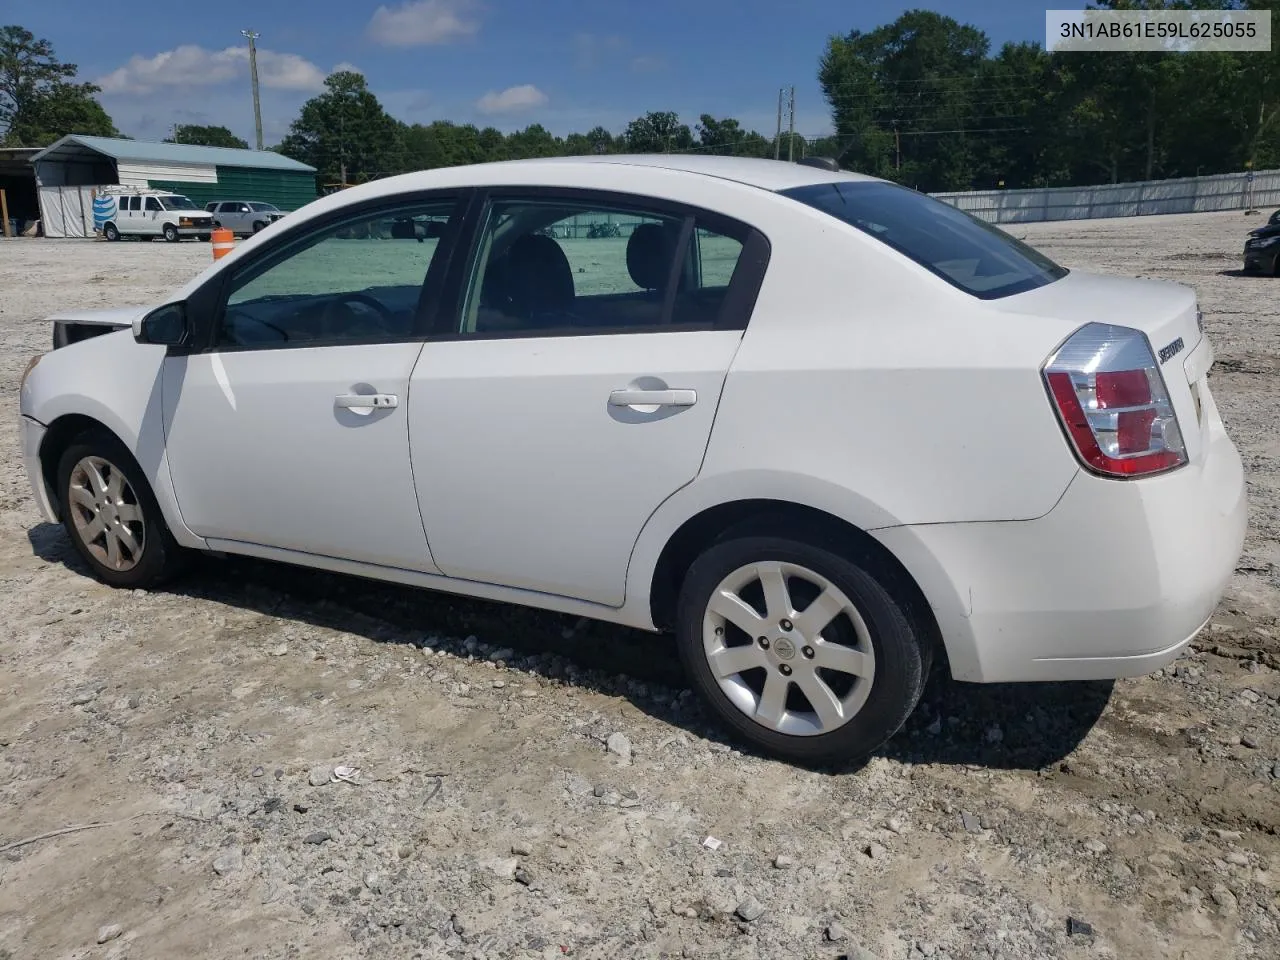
{"x": 865, "y": 386}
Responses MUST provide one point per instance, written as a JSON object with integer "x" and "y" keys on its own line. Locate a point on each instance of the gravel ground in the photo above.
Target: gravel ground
{"x": 279, "y": 763}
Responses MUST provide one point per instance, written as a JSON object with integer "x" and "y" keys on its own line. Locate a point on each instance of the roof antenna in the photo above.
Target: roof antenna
{"x": 822, "y": 163}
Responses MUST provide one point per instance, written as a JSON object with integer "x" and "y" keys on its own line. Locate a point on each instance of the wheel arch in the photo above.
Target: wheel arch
{"x": 791, "y": 519}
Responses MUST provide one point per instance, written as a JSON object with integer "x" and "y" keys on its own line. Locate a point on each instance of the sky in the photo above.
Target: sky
{"x": 567, "y": 64}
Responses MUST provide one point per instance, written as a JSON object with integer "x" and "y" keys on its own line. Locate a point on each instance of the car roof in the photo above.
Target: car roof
{"x": 766, "y": 174}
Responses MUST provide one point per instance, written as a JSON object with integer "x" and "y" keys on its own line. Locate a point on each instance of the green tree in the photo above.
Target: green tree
{"x": 657, "y": 132}
{"x": 40, "y": 99}
{"x": 205, "y": 136}
{"x": 346, "y": 134}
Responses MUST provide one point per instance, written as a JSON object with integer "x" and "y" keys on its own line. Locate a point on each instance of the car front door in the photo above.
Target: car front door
{"x": 578, "y": 386}
{"x": 152, "y": 219}
{"x": 289, "y": 428}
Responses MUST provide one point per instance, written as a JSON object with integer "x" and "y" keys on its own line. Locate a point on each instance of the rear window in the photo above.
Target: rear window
{"x": 975, "y": 256}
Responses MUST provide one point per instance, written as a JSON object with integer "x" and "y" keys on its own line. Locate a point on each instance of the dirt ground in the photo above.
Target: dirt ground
{"x": 198, "y": 728}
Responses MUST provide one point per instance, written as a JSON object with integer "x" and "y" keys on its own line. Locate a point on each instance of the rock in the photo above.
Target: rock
{"x": 874, "y": 851}
{"x": 319, "y": 776}
{"x": 521, "y": 849}
{"x": 229, "y": 861}
{"x": 504, "y": 869}
{"x": 749, "y": 909}
{"x": 926, "y": 948}
{"x": 259, "y": 771}
{"x": 272, "y": 804}
{"x": 971, "y": 823}
{"x": 110, "y": 932}
{"x": 1248, "y": 740}
{"x": 504, "y": 654}
{"x": 499, "y": 684}
{"x": 1224, "y": 898}
{"x": 935, "y": 727}
{"x": 317, "y": 837}
{"x": 894, "y": 825}
{"x": 1078, "y": 928}
{"x": 1095, "y": 846}
{"x": 135, "y": 702}
{"x": 600, "y": 790}
{"x": 619, "y": 745}
{"x": 523, "y": 877}
{"x": 80, "y": 698}
{"x": 373, "y": 883}
{"x": 279, "y": 651}
{"x": 301, "y": 807}
{"x": 1275, "y": 771}
{"x": 1237, "y": 858}
{"x": 835, "y": 933}
{"x": 783, "y": 862}
{"x": 1251, "y": 696}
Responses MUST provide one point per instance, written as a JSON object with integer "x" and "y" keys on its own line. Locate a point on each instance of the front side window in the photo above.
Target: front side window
{"x": 547, "y": 266}
{"x": 264, "y": 208}
{"x": 179, "y": 203}
{"x": 154, "y": 205}
{"x": 355, "y": 281}
{"x": 979, "y": 258}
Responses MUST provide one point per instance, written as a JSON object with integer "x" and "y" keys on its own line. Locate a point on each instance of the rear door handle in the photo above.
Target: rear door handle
{"x": 366, "y": 401}
{"x": 653, "y": 398}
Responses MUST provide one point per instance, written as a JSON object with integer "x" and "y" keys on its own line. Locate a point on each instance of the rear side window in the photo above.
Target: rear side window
{"x": 975, "y": 256}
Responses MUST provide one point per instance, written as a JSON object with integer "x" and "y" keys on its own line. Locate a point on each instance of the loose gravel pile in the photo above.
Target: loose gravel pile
{"x": 267, "y": 762}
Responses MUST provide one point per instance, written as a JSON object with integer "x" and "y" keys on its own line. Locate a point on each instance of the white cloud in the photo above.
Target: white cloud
{"x": 193, "y": 66}
{"x": 421, "y": 23}
{"x": 345, "y": 67}
{"x": 512, "y": 99}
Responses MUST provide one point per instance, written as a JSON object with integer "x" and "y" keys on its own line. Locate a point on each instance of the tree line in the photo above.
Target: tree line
{"x": 923, "y": 101}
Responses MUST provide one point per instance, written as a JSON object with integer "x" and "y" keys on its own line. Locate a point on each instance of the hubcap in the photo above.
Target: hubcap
{"x": 788, "y": 648}
{"x": 106, "y": 514}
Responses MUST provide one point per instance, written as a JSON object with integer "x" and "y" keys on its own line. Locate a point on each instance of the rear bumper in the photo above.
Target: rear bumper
{"x": 31, "y": 434}
{"x": 1113, "y": 582}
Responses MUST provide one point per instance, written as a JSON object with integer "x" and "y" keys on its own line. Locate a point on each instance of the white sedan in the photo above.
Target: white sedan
{"x": 826, "y": 429}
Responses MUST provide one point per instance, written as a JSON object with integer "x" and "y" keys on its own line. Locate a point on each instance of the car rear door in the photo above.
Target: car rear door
{"x": 576, "y": 387}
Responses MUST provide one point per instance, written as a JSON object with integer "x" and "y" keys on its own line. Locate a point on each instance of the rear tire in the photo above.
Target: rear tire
{"x": 258, "y": 225}
{"x": 110, "y": 231}
{"x": 171, "y": 233}
{"x": 828, "y": 683}
{"x": 111, "y": 515}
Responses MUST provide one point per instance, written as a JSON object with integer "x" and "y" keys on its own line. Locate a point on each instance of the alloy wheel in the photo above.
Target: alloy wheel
{"x": 788, "y": 648}
{"x": 106, "y": 514}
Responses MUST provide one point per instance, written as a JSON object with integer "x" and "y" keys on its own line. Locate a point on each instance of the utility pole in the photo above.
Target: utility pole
{"x": 791, "y": 131}
{"x": 253, "y": 72}
{"x": 777, "y": 137}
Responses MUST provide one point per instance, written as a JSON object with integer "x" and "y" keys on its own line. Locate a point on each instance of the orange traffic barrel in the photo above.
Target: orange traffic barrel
{"x": 223, "y": 242}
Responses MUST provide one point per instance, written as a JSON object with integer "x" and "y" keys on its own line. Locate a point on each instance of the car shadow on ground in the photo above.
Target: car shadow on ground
{"x": 996, "y": 726}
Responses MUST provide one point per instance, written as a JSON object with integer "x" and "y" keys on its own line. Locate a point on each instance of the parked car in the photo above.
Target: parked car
{"x": 826, "y": 429}
{"x": 1262, "y": 249}
{"x": 151, "y": 213}
{"x": 244, "y": 217}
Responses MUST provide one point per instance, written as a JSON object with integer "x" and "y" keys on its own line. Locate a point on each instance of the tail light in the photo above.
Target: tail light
{"x": 1111, "y": 398}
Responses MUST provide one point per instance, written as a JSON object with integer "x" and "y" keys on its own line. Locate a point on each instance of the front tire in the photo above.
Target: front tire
{"x": 171, "y": 233}
{"x": 111, "y": 515}
{"x": 111, "y": 231}
{"x": 799, "y": 650}
{"x": 258, "y": 226}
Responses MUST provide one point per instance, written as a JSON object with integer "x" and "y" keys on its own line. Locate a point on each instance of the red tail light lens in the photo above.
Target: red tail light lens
{"x": 1111, "y": 398}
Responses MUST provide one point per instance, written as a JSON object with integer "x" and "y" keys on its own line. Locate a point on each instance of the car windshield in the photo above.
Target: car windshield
{"x": 975, "y": 256}
{"x": 264, "y": 207}
{"x": 177, "y": 203}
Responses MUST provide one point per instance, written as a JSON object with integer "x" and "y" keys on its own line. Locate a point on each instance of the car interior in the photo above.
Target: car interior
{"x": 524, "y": 278}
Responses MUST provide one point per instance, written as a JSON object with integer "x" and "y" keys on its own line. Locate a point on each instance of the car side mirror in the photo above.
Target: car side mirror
{"x": 166, "y": 326}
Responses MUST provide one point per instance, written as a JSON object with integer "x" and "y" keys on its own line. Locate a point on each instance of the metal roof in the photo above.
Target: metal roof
{"x": 149, "y": 151}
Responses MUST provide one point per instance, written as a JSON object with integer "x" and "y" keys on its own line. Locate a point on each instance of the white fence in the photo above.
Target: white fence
{"x": 1227, "y": 191}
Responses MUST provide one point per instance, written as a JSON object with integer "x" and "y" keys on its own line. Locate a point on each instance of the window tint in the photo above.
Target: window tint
{"x": 973, "y": 255}
{"x": 178, "y": 203}
{"x": 262, "y": 207}
{"x": 359, "y": 280}
{"x": 567, "y": 267}
{"x": 153, "y": 204}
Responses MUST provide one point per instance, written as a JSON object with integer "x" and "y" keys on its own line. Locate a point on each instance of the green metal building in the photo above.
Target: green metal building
{"x": 67, "y": 171}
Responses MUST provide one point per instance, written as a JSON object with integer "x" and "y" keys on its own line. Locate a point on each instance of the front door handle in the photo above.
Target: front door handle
{"x": 361, "y": 402}
{"x": 653, "y": 398}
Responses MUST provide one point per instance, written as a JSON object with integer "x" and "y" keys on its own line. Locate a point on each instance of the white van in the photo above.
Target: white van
{"x": 149, "y": 213}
